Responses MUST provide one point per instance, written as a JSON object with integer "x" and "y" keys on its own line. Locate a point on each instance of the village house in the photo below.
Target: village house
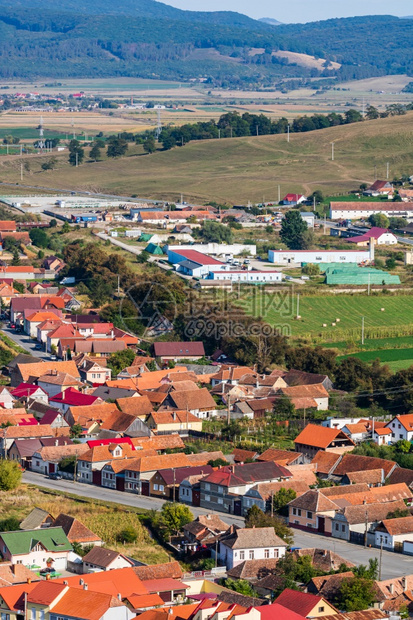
{"x": 138, "y": 407}
{"x": 173, "y": 421}
{"x": 261, "y": 495}
{"x": 250, "y": 544}
{"x": 99, "y": 559}
{"x": 198, "y": 402}
{"x": 381, "y": 236}
{"x": 27, "y": 372}
{"x": 48, "y": 547}
{"x": 91, "y": 463}
{"x": 26, "y": 391}
{"x": 395, "y": 533}
{"x": 379, "y": 188}
{"x": 125, "y": 424}
{"x": 305, "y": 605}
{"x": 139, "y": 472}
{"x": 177, "y": 351}
{"x": 357, "y": 524}
{"x": 76, "y": 532}
{"x": 314, "y": 438}
{"x": 282, "y": 457}
{"x": 166, "y": 482}
{"x": 223, "y": 489}
{"x": 32, "y": 431}
{"x": 36, "y": 519}
{"x": 307, "y": 396}
{"x": 22, "y": 450}
{"x": 46, "y": 460}
{"x": 382, "y": 436}
{"x": 203, "y": 529}
{"x": 312, "y": 511}
{"x": 7, "y": 399}
{"x": 401, "y": 427}
{"x": 94, "y": 372}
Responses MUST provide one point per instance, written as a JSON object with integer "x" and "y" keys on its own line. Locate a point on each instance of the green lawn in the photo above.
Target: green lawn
{"x": 316, "y": 310}
{"x": 402, "y": 342}
{"x": 395, "y": 358}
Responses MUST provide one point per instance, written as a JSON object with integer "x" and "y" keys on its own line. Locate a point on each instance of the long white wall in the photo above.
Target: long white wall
{"x": 217, "y": 248}
{"x": 284, "y": 257}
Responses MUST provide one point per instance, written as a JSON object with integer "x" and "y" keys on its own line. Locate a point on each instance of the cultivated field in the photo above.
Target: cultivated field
{"x": 396, "y": 359}
{"x": 316, "y": 310}
{"x": 235, "y": 171}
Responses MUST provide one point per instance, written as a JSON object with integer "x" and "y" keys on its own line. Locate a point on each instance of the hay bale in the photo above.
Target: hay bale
{"x": 338, "y": 320}
{"x": 382, "y": 309}
{"x": 333, "y": 324}
{"x": 324, "y": 324}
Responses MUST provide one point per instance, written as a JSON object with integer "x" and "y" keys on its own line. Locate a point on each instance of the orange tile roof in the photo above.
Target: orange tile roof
{"x": 13, "y": 596}
{"x": 173, "y": 417}
{"x": 305, "y": 391}
{"x": 99, "y": 454}
{"x": 122, "y": 581}
{"x": 135, "y": 406}
{"x": 22, "y": 432}
{"x": 40, "y": 368}
{"x": 144, "y": 600}
{"x": 45, "y": 592}
{"x": 320, "y": 436}
{"x": 152, "y": 380}
{"x": 163, "y": 461}
{"x": 101, "y": 411}
{"x": 41, "y": 316}
{"x": 163, "y": 442}
{"x": 85, "y": 604}
{"x": 406, "y": 421}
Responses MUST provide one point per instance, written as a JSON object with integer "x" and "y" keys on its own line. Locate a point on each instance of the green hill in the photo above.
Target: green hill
{"x": 250, "y": 168}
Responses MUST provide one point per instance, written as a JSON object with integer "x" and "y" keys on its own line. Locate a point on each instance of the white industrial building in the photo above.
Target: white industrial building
{"x": 251, "y": 277}
{"x": 193, "y": 263}
{"x": 216, "y": 249}
{"x": 285, "y": 257}
{"x": 357, "y": 210}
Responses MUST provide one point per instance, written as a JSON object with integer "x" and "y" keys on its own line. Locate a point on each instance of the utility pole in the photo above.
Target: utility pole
{"x": 332, "y": 151}
{"x": 325, "y": 223}
{"x": 21, "y": 150}
{"x": 298, "y": 305}
{"x": 77, "y": 160}
{"x": 279, "y": 193}
{"x": 216, "y": 552}
{"x": 118, "y": 285}
{"x": 231, "y": 131}
{"x": 387, "y": 171}
{"x": 257, "y": 131}
{"x": 21, "y": 172}
{"x": 381, "y": 558}
{"x": 219, "y": 134}
{"x": 174, "y": 494}
{"x": 362, "y": 330}
{"x": 229, "y": 409}
{"x": 272, "y": 503}
{"x": 365, "y": 533}
{"x": 375, "y": 172}
{"x": 288, "y": 132}
{"x": 368, "y": 285}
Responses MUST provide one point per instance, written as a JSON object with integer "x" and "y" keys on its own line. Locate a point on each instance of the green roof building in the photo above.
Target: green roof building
{"x": 152, "y": 248}
{"x": 42, "y": 548}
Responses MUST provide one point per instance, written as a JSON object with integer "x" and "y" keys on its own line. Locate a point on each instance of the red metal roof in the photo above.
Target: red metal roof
{"x": 300, "y": 602}
{"x": 74, "y": 398}
{"x": 373, "y": 233}
{"x": 198, "y": 257}
{"x": 107, "y": 442}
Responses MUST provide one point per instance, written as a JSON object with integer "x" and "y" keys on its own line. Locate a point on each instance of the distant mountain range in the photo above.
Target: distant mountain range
{"x": 149, "y": 39}
{"x": 270, "y": 20}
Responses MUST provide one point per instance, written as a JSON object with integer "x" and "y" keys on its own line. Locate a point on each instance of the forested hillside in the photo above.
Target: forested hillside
{"x": 144, "y": 38}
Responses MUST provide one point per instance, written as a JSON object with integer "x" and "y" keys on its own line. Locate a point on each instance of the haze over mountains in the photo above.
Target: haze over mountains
{"x": 144, "y": 38}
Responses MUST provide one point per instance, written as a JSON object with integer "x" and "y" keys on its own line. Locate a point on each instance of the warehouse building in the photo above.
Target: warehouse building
{"x": 286, "y": 257}
{"x": 357, "y": 210}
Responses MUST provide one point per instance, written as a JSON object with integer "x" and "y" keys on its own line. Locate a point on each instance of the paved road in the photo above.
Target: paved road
{"x": 25, "y": 341}
{"x": 109, "y": 495}
{"x": 393, "y": 564}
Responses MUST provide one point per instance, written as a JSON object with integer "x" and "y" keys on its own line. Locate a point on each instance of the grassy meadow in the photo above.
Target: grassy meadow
{"x": 107, "y": 521}
{"x": 241, "y": 169}
{"x": 315, "y": 310}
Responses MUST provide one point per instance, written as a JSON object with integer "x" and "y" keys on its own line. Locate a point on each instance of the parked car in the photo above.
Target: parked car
{"x": 55, "y": 475}
{"x": 53, "y": 358}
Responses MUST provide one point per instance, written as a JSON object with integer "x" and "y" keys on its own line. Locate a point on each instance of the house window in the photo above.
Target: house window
{"x": 42, "y": 614}
{"x": 266, "y": 553}
{"x": 251, "y": 554}
{"x": 220, "y": 500}
{"x": 242, "y": 555}
{"x": 309, "y": 515}
{"x": 336, "y": 527}
{"x": 299, "y": 512}
{"x": 207, "y": 486}
{"x": 400, "y": 436}
{"x": 33, "y": 613}
{"x": 320, "y": 610}
{"x": 155, "y": 487}
{"x": 294, "y": 511}
{"x": 207, "y": 498}
{"x": 343, "y": 528}
{"x": 5, "y": 616}
{"x": 161, "y": 487}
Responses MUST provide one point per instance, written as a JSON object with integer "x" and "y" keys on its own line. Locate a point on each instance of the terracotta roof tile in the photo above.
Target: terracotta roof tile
{"x": 284, "y": 456}
{"x": 356, "y": 462}
{"x": 171, "y": 570}
{"x": 397, "y": 527}
{"x": 40, "y": 368}
{"x": 135, "y": 406}
{"x": 325, "y": 461}
{"x": 75, "y": 530}
{"x": 320, "y": 436}
{"x": 162, "y": 442}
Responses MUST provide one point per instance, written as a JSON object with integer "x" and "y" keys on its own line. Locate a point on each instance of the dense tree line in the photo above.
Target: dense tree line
{"x": 235, "y": 125}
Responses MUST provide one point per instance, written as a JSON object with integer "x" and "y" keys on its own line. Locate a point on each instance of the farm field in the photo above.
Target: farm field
{"x": 376, "y": 344}
{"x": 316, "y": 310}
{"x": 105, "y": 521}
{"x": 235, "y": 171}
{"x": 396, "y": 359}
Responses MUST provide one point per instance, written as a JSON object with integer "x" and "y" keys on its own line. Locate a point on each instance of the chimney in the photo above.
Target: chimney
{"x": 48, "y": 577}
{"x": 65, "y": 583}
{"x": 56, "y": 442}
{"x": 174, "y": 416}
{"x": 81, "y": 582}
{"x": 29, "y": 580}
{"x": 404, "y": 584}
{"x": 391, "y": 588}
{"x": 85, "y": 586}
{"x": 119, "y": 596}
